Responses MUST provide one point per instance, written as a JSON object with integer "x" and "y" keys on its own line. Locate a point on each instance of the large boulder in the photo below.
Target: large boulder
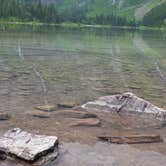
{"x": 27, "y": 146}
{"x": 128, "y": 102}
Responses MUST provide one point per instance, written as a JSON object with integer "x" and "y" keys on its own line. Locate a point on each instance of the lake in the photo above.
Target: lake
{"x": 48, "y": 65}
{"x": 51, "y": 64}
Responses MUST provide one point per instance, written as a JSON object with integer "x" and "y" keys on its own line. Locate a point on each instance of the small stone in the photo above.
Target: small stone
{"x": 4, "y": 116}
{"x": 47, "y": 108}
{"x": 90, "y": 122}
{"x": 75, "y": 114}
{"x": 40, "y": 114}
{"x": 67, "y": 104}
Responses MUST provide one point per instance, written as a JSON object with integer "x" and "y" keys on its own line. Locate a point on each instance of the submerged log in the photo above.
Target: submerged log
{"x": 27, "y": 146}
{"x": 132, "y": 139}
{"x": 126, "y": 102}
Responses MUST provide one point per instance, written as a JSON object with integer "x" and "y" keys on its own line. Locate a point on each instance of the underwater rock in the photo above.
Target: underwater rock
{"x": 128, "y": 102}
{"x": 89, "y": 122}
{"x": 131, "y": 139}
{"x": 67, "y": 104}
{"x": 75, "y": 114}
{"x": 4, "y": 116}
{"x": 39, "y": 114}
{"x": 27, "y": 146}
{"x": 47, "y": 108}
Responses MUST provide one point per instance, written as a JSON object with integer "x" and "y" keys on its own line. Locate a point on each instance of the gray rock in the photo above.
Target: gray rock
{"x": 126, "y": 102}
{"x": 27, "y": 146}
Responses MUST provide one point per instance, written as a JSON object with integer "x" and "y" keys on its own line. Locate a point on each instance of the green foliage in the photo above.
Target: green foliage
{"x": 28, "y": 11}
{"x": 104, "y": 12}
{"x": 43, "y": 12}
{"x": 156, "y": 17}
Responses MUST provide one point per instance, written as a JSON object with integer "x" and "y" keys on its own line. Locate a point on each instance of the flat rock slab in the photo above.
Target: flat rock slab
{"x": 89, "y": 122}
{"x": 47, "y": 108}
{"x": 132, "y": 139}
{"x": 39, "y": 114}
{"x": 75, "y": 114}
{"x": 27, "y": 146}
{"x": 126, "y": 102}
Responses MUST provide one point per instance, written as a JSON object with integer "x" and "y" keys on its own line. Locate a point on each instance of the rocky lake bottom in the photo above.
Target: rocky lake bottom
{"x": 76, "y": 66}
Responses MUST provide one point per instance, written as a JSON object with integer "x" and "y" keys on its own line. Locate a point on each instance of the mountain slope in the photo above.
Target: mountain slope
{"x": 130, "y": 9}
{"x": 146, "y": 8}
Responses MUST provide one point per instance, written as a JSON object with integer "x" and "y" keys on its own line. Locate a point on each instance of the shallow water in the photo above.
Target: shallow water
{"x": 102, "y": 154}
{"x": 40, "y": 65}
{"x": 48, "y": 64}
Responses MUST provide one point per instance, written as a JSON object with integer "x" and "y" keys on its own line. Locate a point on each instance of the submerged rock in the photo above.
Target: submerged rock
{"x": 126, "y": 102}
{"x": 27, "y": 146}
{"x": 4, "y": 116}
{"x": 131, "y": 139}
{"x": 47, "y": 108}
{"x": 39, "y": 114}
{"x": 90, "y": 122}
{"x": 67, "y": 104}
{"x": 75, "y": 114}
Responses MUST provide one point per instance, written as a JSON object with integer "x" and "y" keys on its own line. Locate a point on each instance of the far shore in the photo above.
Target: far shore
{"x": 80, "y": 25}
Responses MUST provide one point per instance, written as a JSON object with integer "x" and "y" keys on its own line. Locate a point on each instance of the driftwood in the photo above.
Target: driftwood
{"x": 132, "y": 139}
{"x": 126, "y": 102}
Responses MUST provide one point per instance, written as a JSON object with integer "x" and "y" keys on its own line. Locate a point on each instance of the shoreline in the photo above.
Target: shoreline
{"x": 79, "y": 25}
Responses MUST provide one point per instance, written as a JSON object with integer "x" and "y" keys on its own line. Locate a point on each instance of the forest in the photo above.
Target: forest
{"x": 156, "y": 16}
{"x": 19, "y": 10}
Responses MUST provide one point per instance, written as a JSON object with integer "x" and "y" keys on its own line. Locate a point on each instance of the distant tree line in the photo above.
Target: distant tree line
{"x": 28, "y": 11}
{"x": 50, "y": 13}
